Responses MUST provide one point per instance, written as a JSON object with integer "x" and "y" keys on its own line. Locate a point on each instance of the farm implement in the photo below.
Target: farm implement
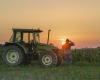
{"x": 25, "y": 46}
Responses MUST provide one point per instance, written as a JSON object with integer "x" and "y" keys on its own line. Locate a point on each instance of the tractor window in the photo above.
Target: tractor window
{"x": 31, "y": 37}
{"x": 25, "y": 38}
{"x": 37, "y": 38}
{"x": 18, "y": 36}
{"x": 11, "y": 38}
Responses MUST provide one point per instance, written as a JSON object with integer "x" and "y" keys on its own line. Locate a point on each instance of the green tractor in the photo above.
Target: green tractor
{"x": 25, "y": 46}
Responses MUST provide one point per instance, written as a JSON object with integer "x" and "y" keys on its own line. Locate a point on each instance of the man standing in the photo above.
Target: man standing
{"x": 67, "y": 50}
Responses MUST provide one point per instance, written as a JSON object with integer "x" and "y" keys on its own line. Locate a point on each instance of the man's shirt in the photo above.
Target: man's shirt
{"x": 67, "y": 46}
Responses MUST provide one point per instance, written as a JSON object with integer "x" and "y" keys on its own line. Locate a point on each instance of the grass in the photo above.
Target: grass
{"x": 76, "y": 71}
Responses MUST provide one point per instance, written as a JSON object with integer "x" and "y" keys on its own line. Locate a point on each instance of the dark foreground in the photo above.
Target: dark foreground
{"x": 64, "y": 72}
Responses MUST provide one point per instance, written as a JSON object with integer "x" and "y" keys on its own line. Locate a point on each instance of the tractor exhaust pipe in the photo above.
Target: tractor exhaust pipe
{"x": 48, "y": 36}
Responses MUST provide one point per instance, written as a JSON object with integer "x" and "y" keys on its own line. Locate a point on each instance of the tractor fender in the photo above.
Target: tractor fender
{"x": 16, "y": 44}
{"x": 43, "y": 51}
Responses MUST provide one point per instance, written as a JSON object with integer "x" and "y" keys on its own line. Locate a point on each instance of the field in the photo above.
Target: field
{"x": 83, "y": 68}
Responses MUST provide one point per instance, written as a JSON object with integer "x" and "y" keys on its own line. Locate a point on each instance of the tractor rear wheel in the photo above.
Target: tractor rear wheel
{"x": 12, "y": 55}
{"x": 48, "y": 58}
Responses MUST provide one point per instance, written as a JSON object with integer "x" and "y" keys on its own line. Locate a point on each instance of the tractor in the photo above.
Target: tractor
{"x": 25, "y": 46}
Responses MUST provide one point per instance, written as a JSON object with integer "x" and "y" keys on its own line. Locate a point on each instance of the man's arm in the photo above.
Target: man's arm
{"x": 71, "y": 43}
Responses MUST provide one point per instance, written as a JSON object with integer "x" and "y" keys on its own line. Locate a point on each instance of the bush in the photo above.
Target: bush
{"x": 0, "y": 55}
{"x": 90, "y": 55}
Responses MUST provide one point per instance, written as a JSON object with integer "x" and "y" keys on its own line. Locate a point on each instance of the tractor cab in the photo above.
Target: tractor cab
{"x": 26, "y": 37}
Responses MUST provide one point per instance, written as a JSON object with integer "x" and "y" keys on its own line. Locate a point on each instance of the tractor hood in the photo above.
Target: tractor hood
{"x": 47, "y": 47}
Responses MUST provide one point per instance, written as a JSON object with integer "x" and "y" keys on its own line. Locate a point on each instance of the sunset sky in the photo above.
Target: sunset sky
{"x": 78, "y": 20}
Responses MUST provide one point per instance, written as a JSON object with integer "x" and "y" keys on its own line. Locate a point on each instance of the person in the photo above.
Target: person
{"x": 67, "y": 50}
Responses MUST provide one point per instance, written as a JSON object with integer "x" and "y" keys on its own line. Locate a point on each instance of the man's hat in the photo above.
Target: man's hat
{"x": 67, "y": 40}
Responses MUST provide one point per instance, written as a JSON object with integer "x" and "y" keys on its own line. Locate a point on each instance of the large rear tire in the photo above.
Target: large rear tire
{"x": 12, "y": 55}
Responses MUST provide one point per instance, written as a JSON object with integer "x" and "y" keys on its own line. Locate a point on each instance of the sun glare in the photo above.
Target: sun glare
{"x": 62, "y": 40}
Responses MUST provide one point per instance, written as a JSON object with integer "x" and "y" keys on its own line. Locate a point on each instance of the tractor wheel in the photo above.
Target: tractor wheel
{"x": 12, "y": 55}
{"x": 48, "y": 59}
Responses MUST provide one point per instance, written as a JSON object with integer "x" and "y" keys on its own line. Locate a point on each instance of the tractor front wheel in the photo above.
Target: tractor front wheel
{"x": 48, "y": 59}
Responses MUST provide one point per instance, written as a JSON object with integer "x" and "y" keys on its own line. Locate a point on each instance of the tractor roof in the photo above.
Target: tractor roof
{"x": 28, "y": 30}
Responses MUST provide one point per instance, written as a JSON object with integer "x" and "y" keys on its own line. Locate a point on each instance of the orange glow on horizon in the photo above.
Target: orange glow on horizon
{"x": 62, "y": 40}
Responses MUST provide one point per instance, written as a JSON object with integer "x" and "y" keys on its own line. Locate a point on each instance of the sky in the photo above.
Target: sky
{"x": 78, "y": 20}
